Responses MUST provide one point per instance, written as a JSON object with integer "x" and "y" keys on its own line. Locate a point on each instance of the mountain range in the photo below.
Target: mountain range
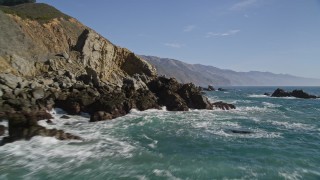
{"x": 204, "y": 75}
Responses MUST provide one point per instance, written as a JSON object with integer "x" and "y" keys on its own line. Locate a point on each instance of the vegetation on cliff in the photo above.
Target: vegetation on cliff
{"x": 40, "y": 12}
{"x": 15, "y": 2}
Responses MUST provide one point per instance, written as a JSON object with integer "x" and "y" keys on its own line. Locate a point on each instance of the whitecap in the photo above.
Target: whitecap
{"x": 164, "y": 173}
{"x": 292, "y": 125}
{"x": 252, "y": 109}
{"x": 241, "y": 101}
{"x": 257, "y": 96}
{"x": 290, "y": 175}
{"x": 255, "y": 134}
{"x": 271, "y": 105}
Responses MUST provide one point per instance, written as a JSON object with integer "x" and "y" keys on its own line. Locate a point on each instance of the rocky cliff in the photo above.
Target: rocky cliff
{"x": 48, "y": 59}
{"x": 30, "y": 44}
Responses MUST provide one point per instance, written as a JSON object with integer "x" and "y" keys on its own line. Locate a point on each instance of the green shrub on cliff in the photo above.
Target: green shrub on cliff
{"x": 15, "y": 2}
{"x": 35, "y": 11}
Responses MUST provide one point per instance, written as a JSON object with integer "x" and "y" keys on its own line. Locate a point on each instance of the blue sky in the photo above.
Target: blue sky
{"x": 281, "y": 36}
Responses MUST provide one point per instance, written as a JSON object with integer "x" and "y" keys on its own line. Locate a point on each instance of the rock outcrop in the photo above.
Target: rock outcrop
{"x": 223, "y": 105}
{"x": 295, "y": 93}
{"x": 24, "y": 125}
{"x": 55, "y": 61}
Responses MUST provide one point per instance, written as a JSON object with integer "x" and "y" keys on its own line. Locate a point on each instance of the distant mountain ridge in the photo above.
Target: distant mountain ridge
{"x": 204, "y": 75}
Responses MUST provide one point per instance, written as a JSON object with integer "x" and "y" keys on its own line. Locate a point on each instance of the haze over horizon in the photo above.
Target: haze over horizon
{"x": 242, "y": 35}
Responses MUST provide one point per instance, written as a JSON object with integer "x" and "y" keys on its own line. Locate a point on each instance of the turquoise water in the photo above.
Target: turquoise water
{"x": 157, "y": 144}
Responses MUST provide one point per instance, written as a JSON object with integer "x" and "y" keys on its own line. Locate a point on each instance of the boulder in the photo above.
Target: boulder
{"x": 23, "y": 125}
{"x": 65, "y": 117}
{"x": 223, "y": 105}
{"x": 100, "y": 116}
{"x": 9, "y": 80}
{"x": 38, "y": 93}
{"x": 2, "y": 130}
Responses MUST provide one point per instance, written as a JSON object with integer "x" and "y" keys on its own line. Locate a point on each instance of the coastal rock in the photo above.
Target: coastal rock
{"x": 9, "y": 80}
{"x": 221, "y": 89}
{"x": 38, "y": 93}
{"x": 100, "y": 116}
{"x": 223, "y": 105}
{"x": 295, "y": 93}
{"x": 302, "y": 94}
{"x": 65, "y": 117}
{"x": 280, "y": 93}
{"x": 2, "y": 130}
{"x": 209, "y": 88}
{"x": 193, "y": 97}
{"x": 23, "y": 125}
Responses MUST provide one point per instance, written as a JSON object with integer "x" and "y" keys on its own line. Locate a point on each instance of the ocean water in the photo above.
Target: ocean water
{"x": 199, "y": 144}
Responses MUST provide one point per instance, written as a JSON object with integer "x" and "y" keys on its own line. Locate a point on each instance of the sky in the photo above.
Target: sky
{"x": 280, "y": 36}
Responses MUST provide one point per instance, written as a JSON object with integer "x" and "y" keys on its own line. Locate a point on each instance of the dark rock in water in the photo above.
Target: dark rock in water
{"x": 302, "y": 94}
{"x": 193, "y": 97}
{"x": 223, "y": 105}
{"x": 280, "y": 93}
{"x": 221, "y": 89}
{"x": 2, "y": 130}
{"x": 266, "y": 94}
{"x": 176, "y": 96}
{"x": 65, "y": 117}
{"x": 295, "y": 93}
{"x": 100, "y": 116}
{"x": 49, "y": 121}
{"x": 209, "y": 88}
{"x": 25, "y": 126}
{"x": 240, "y": 131}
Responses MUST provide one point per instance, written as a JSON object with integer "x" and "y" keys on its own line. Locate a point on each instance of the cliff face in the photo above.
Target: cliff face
{"x": 32, "y": 44}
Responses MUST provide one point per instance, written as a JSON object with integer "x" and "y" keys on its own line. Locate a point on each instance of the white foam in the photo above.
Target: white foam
{"x": 290, "y": 175}
{"x": 252, "y": 109}
{"x": 4, "y": 123}
{"x": 292, "y": 125}
{"x": 267, "y": 104}
{"x": 241, "y": 101}
{"x": 164, "y": 173}
{"x": 257, "y": 96}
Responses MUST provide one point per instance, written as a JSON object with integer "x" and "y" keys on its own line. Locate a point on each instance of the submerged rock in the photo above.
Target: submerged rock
{"x": 239, "y": 131}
